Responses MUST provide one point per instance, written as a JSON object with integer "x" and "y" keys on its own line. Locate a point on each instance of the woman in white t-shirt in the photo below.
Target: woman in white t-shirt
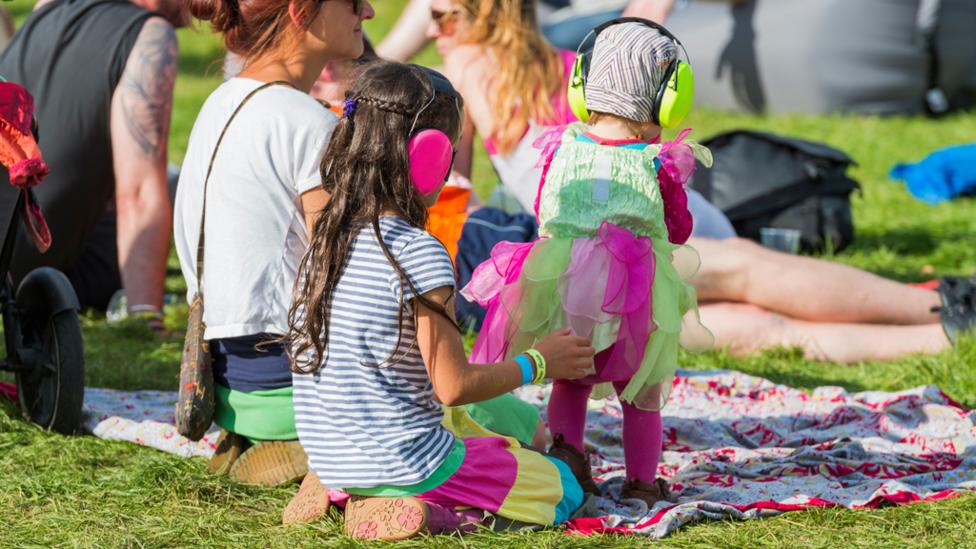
{"x": 262, "y": 191}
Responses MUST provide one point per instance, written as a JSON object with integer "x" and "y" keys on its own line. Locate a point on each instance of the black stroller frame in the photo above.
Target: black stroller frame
{"x": 43, "y": 340}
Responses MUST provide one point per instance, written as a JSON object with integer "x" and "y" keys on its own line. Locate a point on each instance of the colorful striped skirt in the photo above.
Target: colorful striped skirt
{"x": 494, "y": 473}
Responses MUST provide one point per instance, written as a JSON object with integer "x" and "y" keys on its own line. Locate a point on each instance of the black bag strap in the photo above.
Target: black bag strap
{"x": 203, "y": 209}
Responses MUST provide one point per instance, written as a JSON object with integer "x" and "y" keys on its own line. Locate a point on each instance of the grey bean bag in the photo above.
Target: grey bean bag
{"x": 818, "y": 56}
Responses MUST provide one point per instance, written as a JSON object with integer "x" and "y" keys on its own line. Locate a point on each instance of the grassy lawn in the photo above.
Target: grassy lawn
{"x": 82, "y": 491}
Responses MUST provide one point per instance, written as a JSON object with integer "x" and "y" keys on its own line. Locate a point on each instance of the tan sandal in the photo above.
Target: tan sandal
{"x": 310, "y": 504}
{"x": 229, "y": 447}
{"x": 387, "y": 519}
{"x": 271, "y": 463}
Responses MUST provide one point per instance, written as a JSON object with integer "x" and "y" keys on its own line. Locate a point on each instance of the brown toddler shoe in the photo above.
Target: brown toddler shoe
{"x": 649, "y": 493}
{"x": 579, "y": 463}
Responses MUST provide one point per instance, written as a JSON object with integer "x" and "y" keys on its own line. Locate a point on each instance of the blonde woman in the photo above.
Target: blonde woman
{"x": 512, "y": 81}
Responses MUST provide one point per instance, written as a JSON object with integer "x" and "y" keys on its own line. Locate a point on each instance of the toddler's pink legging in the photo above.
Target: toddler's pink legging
{"x": 642, "y": 434}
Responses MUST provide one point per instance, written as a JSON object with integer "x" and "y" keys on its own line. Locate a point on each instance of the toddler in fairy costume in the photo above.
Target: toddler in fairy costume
{"x": 610, "y": 263}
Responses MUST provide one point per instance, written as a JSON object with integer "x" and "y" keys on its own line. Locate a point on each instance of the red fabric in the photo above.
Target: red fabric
{"x": 677, "y": 165}
{"x": 928, "y": 285}
{"x": 8, "y": 390}
{"x": 18, "y": 150}
{"x": 28, "y": 172}
{"x": 16, "y": 106}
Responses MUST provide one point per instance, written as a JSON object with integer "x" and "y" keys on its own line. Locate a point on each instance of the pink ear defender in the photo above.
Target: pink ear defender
{"x": 430, "y": 150}
{"x": 431, "y": 156}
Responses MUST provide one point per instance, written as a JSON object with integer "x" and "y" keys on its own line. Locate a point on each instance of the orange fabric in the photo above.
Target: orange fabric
{"x": 21, "y": 156}
{"x": 446, "y": 217}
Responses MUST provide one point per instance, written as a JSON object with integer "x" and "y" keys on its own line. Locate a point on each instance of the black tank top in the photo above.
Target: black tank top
{"x": 70, "y": 55}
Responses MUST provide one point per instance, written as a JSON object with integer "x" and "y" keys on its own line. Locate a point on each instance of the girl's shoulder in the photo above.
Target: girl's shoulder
{"x": 402, "y": 238}
{"x": 419, "y": 254}
{"x": 464, "y": 56}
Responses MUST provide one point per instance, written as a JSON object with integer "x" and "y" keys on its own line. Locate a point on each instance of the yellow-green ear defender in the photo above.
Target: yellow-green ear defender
{"x": 577, "y": 102}
{"x": 672, "y": 100}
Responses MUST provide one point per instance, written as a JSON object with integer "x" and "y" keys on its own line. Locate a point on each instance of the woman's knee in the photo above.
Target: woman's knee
{"x": 725, "y": 265}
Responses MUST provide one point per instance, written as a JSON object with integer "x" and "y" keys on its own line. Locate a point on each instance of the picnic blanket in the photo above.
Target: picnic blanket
{"x": 735, "y": 446}
{"x": 143, "y": 417}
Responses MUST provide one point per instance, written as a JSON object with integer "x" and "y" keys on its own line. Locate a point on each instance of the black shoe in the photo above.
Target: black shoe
{"x": 958, "y": 310}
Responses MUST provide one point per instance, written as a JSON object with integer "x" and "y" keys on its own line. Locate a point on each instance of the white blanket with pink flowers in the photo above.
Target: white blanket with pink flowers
{"x": 736, "y": 446}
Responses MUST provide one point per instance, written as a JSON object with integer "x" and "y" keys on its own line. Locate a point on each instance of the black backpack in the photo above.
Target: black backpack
{"x": 762, "y": 179}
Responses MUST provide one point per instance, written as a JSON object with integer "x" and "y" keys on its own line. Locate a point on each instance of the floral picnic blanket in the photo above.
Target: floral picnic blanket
{"x": 143, "y": 417}
{"x": 735, "y": 446}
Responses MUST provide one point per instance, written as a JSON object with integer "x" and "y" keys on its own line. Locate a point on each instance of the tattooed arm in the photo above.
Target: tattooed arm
{"x": 140, "y": 117}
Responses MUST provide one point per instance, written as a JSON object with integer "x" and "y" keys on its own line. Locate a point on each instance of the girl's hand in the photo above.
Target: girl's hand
{"x": 567, "y": 356}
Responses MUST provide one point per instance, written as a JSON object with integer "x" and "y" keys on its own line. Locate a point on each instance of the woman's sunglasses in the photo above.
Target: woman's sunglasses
{"x": 357, "y": 6}
{"x": 444, "y": 18}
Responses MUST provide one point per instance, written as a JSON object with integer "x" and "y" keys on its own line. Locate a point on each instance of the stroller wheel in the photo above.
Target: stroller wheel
{"x": 51, "y": 390}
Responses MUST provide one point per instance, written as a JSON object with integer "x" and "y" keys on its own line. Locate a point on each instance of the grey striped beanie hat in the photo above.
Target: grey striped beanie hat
{"x": 628, "y": 63}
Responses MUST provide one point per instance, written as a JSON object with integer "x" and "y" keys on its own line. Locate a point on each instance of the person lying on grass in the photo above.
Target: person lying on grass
{"x": 375, "y": 347}
{"x": 751, "y": 298}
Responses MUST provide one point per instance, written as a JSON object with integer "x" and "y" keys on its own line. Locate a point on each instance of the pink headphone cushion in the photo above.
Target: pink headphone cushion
{"x": 430, "y": 153}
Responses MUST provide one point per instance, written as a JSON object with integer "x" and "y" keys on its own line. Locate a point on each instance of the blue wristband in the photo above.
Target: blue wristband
{"x": 528, "y": 371}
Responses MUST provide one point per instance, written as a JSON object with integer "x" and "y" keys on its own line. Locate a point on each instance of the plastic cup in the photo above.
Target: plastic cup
{"x": 783, "y": 240}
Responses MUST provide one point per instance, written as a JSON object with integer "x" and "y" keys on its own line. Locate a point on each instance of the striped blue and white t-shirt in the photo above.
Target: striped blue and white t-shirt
{"x": 364, "y": 419}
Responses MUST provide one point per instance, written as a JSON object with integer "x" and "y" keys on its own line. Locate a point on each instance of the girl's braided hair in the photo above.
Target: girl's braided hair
{"x": 365, "y": 170}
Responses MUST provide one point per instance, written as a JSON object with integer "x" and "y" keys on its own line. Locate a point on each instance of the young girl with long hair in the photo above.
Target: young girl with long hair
{"x": 376, "y": 350}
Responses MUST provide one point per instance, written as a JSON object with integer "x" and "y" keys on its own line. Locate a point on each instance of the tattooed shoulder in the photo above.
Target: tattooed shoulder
{"x": 146, "y": 88}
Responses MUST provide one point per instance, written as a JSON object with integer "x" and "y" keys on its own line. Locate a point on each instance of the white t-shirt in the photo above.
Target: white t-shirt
{"x": 255, "y": 227}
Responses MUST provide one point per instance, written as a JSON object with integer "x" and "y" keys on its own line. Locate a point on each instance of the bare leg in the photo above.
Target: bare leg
{"x": 746, "y": 329}
{"x": 805, "y": 288}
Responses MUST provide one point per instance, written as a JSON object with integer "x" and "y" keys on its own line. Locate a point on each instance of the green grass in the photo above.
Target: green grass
{"x": 82, "y": 491}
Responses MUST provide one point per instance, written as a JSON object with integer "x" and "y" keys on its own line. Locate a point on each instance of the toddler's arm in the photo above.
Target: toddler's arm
{"x": 456, "y": 382}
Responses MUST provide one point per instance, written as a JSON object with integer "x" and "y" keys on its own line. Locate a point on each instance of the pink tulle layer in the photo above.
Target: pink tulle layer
{"x": 622, "y": 263}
